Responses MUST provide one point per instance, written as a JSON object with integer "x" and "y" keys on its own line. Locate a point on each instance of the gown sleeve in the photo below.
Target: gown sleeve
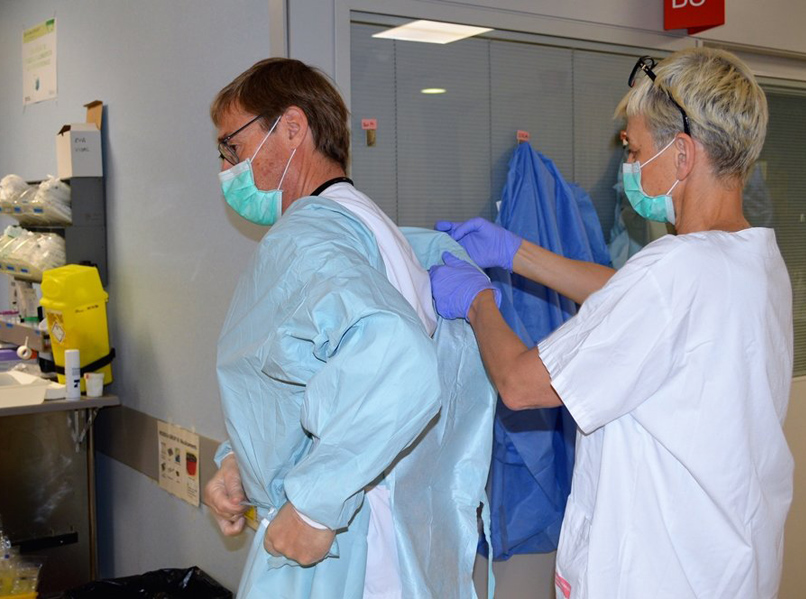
{"x": 224, "y": 449}
{"x": 375, "y": 386}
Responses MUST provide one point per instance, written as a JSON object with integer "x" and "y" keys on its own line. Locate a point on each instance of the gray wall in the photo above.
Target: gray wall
{"x": 175, "y": 250}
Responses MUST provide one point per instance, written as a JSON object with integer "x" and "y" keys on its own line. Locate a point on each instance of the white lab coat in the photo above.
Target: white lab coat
{"x": 677, "y": 373}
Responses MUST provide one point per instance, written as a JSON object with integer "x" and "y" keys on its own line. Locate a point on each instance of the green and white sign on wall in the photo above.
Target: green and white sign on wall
{"x": 39, "y": 63}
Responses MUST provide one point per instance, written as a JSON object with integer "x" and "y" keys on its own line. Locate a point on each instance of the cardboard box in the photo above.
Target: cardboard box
{"x": 78, "y": 146}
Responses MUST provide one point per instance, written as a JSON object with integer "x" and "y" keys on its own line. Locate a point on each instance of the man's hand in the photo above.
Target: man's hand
{"x": 224, "y": 494}
{"x": 290, "y": 536}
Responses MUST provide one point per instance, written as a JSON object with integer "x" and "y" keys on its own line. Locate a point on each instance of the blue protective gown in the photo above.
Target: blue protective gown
{"x": 533, "y": 450}
{"x": 329, "y": 380}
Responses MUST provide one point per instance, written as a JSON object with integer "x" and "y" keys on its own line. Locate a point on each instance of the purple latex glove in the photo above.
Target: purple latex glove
{"x": 487, "y": 244}
{"x": 456, "y": 284}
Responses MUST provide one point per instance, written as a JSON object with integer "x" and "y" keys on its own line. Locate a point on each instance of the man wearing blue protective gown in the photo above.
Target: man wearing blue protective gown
{"x": 359, "y": 424}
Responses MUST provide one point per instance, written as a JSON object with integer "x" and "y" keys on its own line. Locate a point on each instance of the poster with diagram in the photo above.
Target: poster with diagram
{"x": 179, "y": 462}
{"x": 39, "y": 63}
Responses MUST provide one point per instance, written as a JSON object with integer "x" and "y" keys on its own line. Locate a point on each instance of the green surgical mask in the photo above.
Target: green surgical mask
{"x": 243, "y": 196}
{"x": 658, "y": 208}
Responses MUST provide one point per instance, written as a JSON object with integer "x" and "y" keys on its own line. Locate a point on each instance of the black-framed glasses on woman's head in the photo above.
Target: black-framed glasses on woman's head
{"x": 226, "y": 151}
{"x": 646, "y": 64}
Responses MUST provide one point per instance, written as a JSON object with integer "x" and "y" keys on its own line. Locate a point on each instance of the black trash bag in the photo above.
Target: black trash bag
{"x": 192, "y": 583}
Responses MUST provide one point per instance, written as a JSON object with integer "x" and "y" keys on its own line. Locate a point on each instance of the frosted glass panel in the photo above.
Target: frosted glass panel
{"x": 531, "y": 91}
{"x": 446, "y": 155}
{"x": 443, "y": 139}
{"x": 776, "y": 196}
{"x": 374, "y": 168}
{"x": 600, "y": 82}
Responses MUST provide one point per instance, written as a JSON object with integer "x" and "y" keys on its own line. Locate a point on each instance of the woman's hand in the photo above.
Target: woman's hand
{"x": 456, "y": 284}
{"x": 487, "y": 244}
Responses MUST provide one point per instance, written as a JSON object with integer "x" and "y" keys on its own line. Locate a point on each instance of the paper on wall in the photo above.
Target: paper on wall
{"x": 179, "y": 462}
{"x": 39, "y": 63}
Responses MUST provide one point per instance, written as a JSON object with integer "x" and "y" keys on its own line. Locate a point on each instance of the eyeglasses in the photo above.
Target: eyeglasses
{"x": 646, "y": 64}
{"x": 226, "y": 151}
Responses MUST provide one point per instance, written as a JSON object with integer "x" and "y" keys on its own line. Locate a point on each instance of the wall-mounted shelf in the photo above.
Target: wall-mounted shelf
{"x": 85, "y": 243}
{"x": 85, "y": 238}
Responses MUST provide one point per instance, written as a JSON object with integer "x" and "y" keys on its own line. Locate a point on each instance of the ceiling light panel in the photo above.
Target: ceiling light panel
{"x": 431, "y": 32}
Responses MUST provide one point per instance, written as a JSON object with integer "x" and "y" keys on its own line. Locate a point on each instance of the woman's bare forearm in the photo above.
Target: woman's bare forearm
{"x": 517, "y": 372}
{"x": 575, "y": 279}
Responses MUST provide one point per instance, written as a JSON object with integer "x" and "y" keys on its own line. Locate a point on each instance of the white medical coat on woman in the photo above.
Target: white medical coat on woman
{"x": 678, "y": 373}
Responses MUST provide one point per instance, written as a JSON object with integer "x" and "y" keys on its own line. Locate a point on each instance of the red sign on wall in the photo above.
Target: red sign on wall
{"x": 694, "y": 15}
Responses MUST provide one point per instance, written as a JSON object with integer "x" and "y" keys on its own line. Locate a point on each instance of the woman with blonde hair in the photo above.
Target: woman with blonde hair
{"x": 677, "y": 368}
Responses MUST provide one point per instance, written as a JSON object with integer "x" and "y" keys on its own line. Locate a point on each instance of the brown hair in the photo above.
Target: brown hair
{"x": 270, "y": 86}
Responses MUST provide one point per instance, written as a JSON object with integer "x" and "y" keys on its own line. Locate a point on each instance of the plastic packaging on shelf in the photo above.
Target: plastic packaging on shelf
{"x": 21, "y": 206}
{"x": 11, "y": 188}
{"x": 27, "y": 255}
{"x": 47, "y": 204}
{"x": 27, "y": 301}
{"x": 43, "y": 252}
{"x": 11, "y": 239}
{"x": 50, "y": 205}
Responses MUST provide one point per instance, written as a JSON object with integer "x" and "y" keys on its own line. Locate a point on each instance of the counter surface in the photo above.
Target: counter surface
{"x": 62, "y": 405}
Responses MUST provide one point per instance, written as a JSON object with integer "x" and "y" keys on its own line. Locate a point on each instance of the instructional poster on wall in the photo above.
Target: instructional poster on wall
{"x": 39, "y": 63}
{"x": 179, "y": 462}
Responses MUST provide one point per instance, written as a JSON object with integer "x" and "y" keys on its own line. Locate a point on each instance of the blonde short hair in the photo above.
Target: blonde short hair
{"x": 727, "y": 109}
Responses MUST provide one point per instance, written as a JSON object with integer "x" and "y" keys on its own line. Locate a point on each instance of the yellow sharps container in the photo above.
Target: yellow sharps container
{"x": 75, "y": 307}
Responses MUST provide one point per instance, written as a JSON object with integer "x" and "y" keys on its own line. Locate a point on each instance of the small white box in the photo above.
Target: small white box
{"x": 78, "y": 146}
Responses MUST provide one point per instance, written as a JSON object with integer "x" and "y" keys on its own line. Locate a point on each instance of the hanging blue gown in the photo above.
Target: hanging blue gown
{"x": 533, "y": 450}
